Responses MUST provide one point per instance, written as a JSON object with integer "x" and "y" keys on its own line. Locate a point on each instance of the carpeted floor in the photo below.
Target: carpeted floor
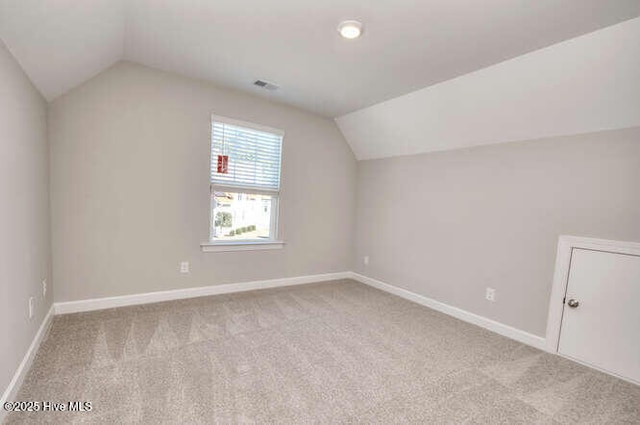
{"x": 337, "y": 352}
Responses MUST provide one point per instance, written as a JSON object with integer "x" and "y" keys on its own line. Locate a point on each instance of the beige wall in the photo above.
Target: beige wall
{"x": 447, "y": 225}
{"x": 130, "y": 157}
{"x": 24, "y": 213}
{"x": 130, "y": 190}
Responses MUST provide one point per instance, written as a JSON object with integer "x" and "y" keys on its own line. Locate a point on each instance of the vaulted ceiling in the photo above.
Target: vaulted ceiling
{"x": 406, "y": 45}
{"x": 587, "y": 84}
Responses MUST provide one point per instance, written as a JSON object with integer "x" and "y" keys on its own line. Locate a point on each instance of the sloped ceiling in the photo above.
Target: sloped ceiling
{"x": 587, "y": 84}
{"x": 407, "y": 44}
{"x": 62, "y": 43}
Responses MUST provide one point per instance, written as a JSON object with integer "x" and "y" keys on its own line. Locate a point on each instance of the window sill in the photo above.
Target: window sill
{"x": 241, "y": 246}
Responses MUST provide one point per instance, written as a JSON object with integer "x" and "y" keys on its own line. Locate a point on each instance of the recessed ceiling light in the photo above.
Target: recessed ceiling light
{"x": 350, "y": 29}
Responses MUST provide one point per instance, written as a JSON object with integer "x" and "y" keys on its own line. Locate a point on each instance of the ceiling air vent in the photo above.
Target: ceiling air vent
{"x": 265, "y": 85}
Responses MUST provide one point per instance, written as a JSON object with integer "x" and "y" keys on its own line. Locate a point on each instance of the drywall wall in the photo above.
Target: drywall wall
{"x": 25, "y": 253}
{"x": 130, "y": 187}
{"x": 583, "y": 85}
{"x": 447, "y": 225}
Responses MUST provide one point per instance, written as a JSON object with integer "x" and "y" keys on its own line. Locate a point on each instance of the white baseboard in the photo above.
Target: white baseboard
{"x": 12, "y": 389}
{"x": 176, "y": 294}
{"x": 492, "y": 325}
{"x": 153, "y": 297}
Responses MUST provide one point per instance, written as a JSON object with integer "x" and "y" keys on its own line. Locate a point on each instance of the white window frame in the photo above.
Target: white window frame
{"x": 244, "y": 244}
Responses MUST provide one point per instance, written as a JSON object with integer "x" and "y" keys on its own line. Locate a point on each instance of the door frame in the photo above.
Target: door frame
{"x": 566, "y": 245}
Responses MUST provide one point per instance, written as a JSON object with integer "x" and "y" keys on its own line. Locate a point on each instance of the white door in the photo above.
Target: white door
{"x": 601, "y": 317}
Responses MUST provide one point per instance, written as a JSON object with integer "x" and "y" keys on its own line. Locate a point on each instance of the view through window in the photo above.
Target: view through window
{"x": 242, "y": 216}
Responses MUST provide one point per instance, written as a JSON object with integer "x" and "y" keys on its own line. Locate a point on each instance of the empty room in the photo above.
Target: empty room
{"x": 296, "y": 212}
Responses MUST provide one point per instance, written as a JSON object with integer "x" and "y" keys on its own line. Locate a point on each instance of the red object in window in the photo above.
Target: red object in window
{"x": 223, "y": 164}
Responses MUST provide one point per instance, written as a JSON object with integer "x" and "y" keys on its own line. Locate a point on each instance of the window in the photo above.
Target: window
{"x": 244, "y": 183}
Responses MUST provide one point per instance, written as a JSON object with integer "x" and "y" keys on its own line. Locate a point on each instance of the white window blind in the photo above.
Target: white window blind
{"x": 253, "y": 157}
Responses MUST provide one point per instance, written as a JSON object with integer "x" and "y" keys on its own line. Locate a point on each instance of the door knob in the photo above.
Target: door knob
{"x": 573, "y": 303}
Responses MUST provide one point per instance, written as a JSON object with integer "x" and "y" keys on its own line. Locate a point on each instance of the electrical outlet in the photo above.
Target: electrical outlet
{"x": 31, "y": 307}
{"x": 184, "y": 267}
{"x": 365, "y": 260}
{"x": 44, "y": 288}
{"x": 490, "y": 294}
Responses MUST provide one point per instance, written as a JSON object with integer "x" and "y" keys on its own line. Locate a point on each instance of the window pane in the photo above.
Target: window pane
{"x": 241, "y": 216}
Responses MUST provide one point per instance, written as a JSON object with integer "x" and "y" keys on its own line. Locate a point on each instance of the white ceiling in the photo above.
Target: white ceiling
{"x": 407, "y": 44}
{"x": 583, "y": 85}
{"x": 62, "y": 43}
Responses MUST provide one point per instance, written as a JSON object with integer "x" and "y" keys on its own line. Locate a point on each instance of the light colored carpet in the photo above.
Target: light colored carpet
{"x": 336, "y": 352}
